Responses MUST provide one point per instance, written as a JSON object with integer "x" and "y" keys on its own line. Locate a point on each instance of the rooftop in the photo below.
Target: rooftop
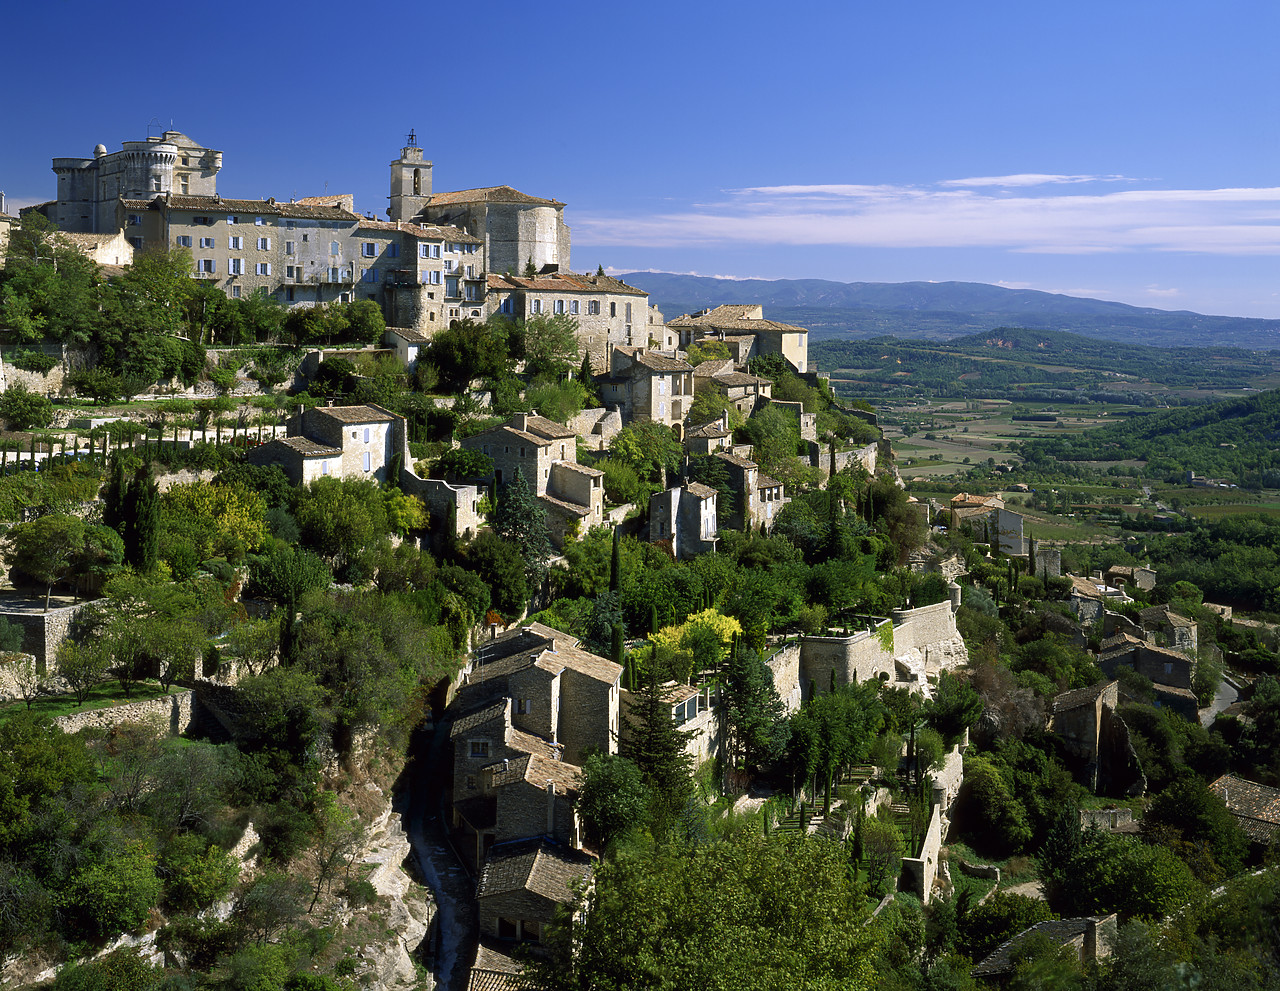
{"x": 356, "y": 414}
{"x": 699, "y": 490}
{"x": 1255, "y": 806}
{"x": 536, "y": 866}
{"x": 735, "y": 317}
{"x": 536, "y": 770}
{"x": 309, "y": 448}
{"x": 1080, "y": 696}
{"x": 487, "y": 194}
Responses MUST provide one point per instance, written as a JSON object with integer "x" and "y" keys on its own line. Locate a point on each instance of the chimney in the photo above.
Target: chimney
{"x": 551, "y": 807}
{"x": 493, "y": 631}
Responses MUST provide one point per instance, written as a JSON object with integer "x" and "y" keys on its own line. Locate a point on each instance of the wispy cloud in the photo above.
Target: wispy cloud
{"x": 1032, "y": 179}
{"x": 611, "y": 270}
{"x": 965, "y": 214}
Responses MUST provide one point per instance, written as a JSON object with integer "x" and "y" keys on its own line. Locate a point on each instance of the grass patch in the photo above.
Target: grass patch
{"x": 102, "y": 696}
{"x": 1017, "y": 869}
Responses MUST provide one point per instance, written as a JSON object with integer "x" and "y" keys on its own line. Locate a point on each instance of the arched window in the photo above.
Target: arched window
{"x": 417, "y": 182}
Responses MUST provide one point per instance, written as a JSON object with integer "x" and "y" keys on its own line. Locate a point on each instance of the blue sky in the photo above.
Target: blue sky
{"x": 1120, "y": 150}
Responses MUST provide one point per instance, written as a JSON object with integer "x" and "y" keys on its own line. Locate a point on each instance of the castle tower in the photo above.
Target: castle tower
{"x": 410, "y": 182}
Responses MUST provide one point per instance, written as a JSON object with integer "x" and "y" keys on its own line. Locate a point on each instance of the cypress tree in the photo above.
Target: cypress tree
{"x": 615, "y": 564}
{"x": 657, "y": 748}
{"x": 142, "y": 537}
{"x": 617, "y": 646}
{"x": 653, "y": 618}
{"x": 520, "y": 518}
{"x": 113, "y": 498}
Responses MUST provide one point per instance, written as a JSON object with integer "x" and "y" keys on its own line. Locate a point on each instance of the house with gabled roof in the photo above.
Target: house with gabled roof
{"x": 523, "y": 884}
{"x": 745, "y": 330}
{"x": 336, "y": 441}
{"x": 683, "y": 517}
{"x": 545, "y": 453}
{"x": 646, "y": 385}
{"x": 709, "y": 437}
{"x": 1089, "y": 938}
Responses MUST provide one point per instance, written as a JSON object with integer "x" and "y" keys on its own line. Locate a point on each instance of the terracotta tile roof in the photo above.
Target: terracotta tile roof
{"x": 732, "y": 316}
{"x": 661, "y": 363}
{"x": 765, "y": 482}
{"x": 1080, "y": 696}
{"x": 712, "y": 429}
{"x": 700, "y": 491}
{"x": 537, "y": 770}
{"x": 733, "y": 459}
{"x": 565, "y": 282}
{"x": 588, "y": 664}
{"x": 82, "y": 240}
{"x": 713, "y": 366}
{"x": 548, "y": 428}
{"x": 1255, "y": 806}
{"x": 537, "y": 866}
{"x": 578, "y": 469}
{"x": 739, "y": 378}
{"x": 356, "y": 414}
{"x": 1084, "y": 587}
{"x": 487, "y": 194}
{"x": 495, "y": 970}
{"x": 572, "y": 508}
{"x": 966, "y": 499}
{"x": 263, "y": 208}
{"x": 427, "y": 232}
{"x": 511, "y": 665}
{"x": 309, "y": 448}
{"x": 346, "y": 201}
{"x": 481, "y": 717}
{"x": 529, "y": 744}
{"x": 1163, "y": 614}
{"x": 410, "y": 335}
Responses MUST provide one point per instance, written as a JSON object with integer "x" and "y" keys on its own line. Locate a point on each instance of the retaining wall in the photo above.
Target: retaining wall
{"x": 919, "y": 873}
{"x": 174, "y": 711}
{"x": 43, "y": 632}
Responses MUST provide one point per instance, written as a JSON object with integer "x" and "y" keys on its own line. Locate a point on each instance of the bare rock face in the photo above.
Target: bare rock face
{"x": 388, "y": 965}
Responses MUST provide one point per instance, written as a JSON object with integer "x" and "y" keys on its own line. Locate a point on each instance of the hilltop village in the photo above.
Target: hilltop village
{"x": 391, "y": 605}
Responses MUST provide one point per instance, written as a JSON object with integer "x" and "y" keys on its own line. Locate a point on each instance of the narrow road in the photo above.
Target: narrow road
{"x": 456, "y": 924}
{"x": 1227, "y": 695}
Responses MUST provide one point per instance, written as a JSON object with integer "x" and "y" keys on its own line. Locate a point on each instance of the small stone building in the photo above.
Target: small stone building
{"x": 685, "y": 517}
{"x": 1255, "y": 806}
{"x": 648, "y": 386}
{"x": 1091, "y": 938}
{"x": 337, "y": 441}
{"x": 522, "y": 885}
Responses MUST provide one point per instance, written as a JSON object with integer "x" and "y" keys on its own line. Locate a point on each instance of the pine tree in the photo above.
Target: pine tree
{"x": 753, "y": 713}
{"x": 530, "y": 270}
{"x": 599, "y": 270}
{"x": 657, "y": 747}
{"x": 520, "y": 518}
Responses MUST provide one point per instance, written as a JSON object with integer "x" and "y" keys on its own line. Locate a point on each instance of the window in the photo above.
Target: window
{"x": 184, "y": 240}
{"x": 206, "y": 242}
{"x": 393, "y": 250}
{"x": 613, "y": 309}
{"x": 479, "y": 748}
{"x": 306, "y": 238}
{"x": 236, "y": 266}
{"x": 535, "y": 306}
{"x": 507, "y": 929}
{"x": 628, "y": 313}
{"x": 135, "y": 220}
{"x": 368, "y": 249}
{"x": 264, "y": 244}
{"x": 232, "y": 218}
{"x": 335, "y": 248}
{"x": 558, "y": 307}
{"x": 573, "y": 307}
{"x": 288, "y": 294}
{"x": 506, "y": 304}
{"x": 1168, "y": 667}
{"x": 593, "y": 307}
{"x": 435, "y": 278}
{"x": 289, "y": 247}
{"x": 202, "y": 221}
{"x": 324, "y": 467}
{"x": 155, "y": 184}
{"x": 334, "y": 275}
{"x": 262, "y": 268}
{"x": 473, "y": 293}
{"x": 235, "y": 292}
{"x": 368, "y": 275}
{"x": 366, "y": 435}
{"x": 186, "y": 186}
{"x": 235, "y": 243}
{"x": 206, "y": 265}
{"x": 258, "y": 221}
{"x": 186, "y": 160}
{"x": 424, "y": 251}
{"x": 450, "y": 265}
{"x": 435, "y": 251}
{"x": 366, "y": 460}
{"x": 136, "y": 242}
{"x": 290, "y": 225}
{"x": 522, "y": 707}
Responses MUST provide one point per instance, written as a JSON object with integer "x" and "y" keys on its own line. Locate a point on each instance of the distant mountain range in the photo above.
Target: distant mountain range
{"x": 943, "y": 310}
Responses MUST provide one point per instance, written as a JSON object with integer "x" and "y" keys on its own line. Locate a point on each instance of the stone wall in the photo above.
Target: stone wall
{"x": 43, "y": 632}
{"x": 918, "y": 873}
{"x": 785, "y": 665}
{"x": 171, "y": 711}
{"x": 945, "y": 782}
{"x": 1105, "y": 818}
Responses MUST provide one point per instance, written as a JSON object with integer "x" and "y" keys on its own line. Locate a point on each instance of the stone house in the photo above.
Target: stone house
{"x": 684, "y": 515}
{"x": 110, "y": 250}
{"x": 1166, "y": 628}
{"x": 544, "y": 452}
{"x": 746, "y": 392}
{"x": 746, "y": 331}
{"x": 1164, "y": 667}
{"x": 338, "y": 441}
{"x": 1086, "y": 600}
{"x": 423, "y": 275}
{"x": 558, "y": 691}
{"x": 1096, "y": 740}
{"x": 986, "y": 518}
{"x": 519, "y": 798}
{"x": 488, "y": 735}
{"x": 6, "y": 224}
{"x": 648, "y": 386}
{"x": 759, "y": 496}
{"x": 522, "y": 885}
{"x": 407, "y": 343}
{"x": 609, "y": 313}
{"x": 1119, "y": 575}
{"x": 692, "y": 711}
{"x": 710, "y": 437}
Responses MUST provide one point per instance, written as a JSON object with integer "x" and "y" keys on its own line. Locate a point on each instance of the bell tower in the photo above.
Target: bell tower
{"x": 410, "y": 182}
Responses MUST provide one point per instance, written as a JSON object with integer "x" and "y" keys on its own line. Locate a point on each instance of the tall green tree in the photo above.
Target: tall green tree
{"x": 657, "y": 747}
{"x": 753, "y": 713}
{"x": 521, "y": 519}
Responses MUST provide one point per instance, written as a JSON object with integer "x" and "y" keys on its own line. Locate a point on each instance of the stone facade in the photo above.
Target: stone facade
{"x": 43, "y": 632}
{"x": 921, "y": 871}
{"x": 692, "y": 711}
{"x": 747, "y": 331}
{"x": 648, "y": 386}
{"x": 609, "y": 313}
{"x": 684, "y": 516}
{"x": 339, "y": 442}
{"x": 89, "y": 188}
{"x": 517, "y": 229}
